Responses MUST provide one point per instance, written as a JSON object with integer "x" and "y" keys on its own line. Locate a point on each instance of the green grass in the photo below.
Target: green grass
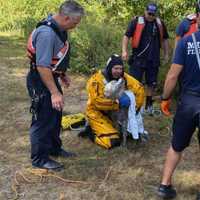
{"x": 134, "y": 173}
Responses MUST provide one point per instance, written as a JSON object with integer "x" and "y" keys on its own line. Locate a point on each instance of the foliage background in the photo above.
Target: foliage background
{"x": 100, "y": 33}
{"x": 112, "y": 175}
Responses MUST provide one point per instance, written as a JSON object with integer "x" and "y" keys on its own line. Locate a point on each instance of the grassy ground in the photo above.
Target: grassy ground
{"x": 117, "y": 174}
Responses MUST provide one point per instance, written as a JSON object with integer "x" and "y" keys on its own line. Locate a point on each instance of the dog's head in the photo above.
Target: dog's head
{"x": 114, "y": 89}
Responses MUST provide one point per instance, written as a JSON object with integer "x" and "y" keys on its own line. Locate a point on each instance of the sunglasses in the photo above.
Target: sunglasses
{"x": 151, "y": 14}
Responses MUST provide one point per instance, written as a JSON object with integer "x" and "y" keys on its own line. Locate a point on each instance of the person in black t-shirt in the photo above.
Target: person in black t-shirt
{"x": 148, "y": 34}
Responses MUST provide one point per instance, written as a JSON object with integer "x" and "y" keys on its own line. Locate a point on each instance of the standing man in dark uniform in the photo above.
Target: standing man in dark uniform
{"x": 186, "y": 27}
{"x": 48, "y": 50}
{"x": 186, "y": 69}
{"x": 148, "y": 35}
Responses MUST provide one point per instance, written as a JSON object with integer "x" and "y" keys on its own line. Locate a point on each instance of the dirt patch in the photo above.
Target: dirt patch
{"x": 117, "y": 174}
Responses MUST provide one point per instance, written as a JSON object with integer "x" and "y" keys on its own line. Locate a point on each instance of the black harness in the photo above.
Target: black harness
{"x": 62, "y": 36}
{"x": 49, "y": 22}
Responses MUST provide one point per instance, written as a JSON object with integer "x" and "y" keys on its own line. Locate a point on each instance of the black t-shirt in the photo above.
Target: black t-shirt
{"x": 150, "y": 40}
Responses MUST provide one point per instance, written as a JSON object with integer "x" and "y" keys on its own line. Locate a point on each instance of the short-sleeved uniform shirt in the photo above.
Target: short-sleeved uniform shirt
{"x": 185, "y": 55}
{"x": 47, "y": 44}
{"x": 150, "y": 36}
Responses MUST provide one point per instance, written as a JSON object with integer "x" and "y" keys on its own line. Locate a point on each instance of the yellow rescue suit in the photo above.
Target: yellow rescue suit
{"x": 97, "y": 105}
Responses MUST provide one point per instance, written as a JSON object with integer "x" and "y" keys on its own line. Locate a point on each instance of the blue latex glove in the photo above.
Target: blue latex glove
{"x": 124, "y": 101}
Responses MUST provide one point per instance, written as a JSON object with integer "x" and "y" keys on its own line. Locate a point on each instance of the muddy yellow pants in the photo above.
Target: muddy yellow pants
{"x": 104, "y": 132}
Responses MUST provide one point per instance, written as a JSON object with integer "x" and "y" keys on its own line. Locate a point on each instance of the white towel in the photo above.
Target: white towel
{"x": 135, "y": 122}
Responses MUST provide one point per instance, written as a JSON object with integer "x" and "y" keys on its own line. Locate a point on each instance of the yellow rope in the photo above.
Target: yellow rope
{"x": 20, "y": 177}
{"x": 62, "y": 196}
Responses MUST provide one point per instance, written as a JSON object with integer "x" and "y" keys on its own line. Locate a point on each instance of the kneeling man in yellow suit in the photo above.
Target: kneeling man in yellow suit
{"x": 103, "y": 131}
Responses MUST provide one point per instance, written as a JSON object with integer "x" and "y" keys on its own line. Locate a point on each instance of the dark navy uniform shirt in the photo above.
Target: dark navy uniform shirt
{"x": 150, "y": 36}
{"x": 185, "y": 56}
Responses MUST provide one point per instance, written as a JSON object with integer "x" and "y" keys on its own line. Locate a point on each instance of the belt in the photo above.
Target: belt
{"x": 34, "y": 68}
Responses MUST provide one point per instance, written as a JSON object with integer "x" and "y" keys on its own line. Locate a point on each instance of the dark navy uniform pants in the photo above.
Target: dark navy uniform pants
{"x": 46, "y": 121}
{"x": 186, "y": 120}
{"x": 140, "y": 67}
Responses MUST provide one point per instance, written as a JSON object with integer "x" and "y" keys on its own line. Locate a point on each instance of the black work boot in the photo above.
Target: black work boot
{"x": 166, "y": 191}
{"x": 149, "y": 102}
{"x": 47, "y": 164}
{"x": 64, "y": 154}
{"x": 86, "y": 131}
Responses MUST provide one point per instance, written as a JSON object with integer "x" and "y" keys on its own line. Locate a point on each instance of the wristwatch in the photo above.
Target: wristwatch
{"x": 164, "y": 99}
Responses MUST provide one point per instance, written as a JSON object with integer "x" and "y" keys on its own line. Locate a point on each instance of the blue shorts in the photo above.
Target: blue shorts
{"x": 186, "y": 120}
{"x": 150, "y": 71}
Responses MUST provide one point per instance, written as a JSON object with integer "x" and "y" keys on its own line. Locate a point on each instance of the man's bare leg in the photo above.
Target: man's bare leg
{"x": 165, "y": 189}
{"x": 172, "y": 160}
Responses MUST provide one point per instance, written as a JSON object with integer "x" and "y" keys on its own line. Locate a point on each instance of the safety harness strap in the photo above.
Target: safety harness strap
{"x": 196, "y": 49}
{"x": 49, "y": 23}
{"x": 198, "y": 134}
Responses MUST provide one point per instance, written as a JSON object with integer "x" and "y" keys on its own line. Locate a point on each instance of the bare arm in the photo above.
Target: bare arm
{"x": 56, "y": 97}
{"x": 125, "y": 41}
{"x": 166, "y": 49}
{"x": 171, "y": 80}
{"x": 47, "y": 78}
